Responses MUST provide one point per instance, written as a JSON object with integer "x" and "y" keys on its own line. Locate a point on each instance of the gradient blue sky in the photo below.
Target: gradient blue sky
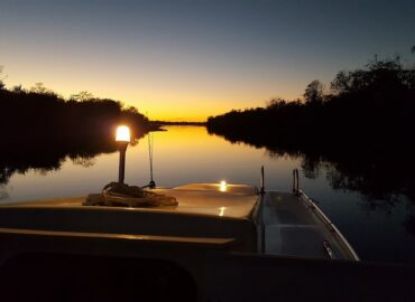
{"x": 185, "y": 60}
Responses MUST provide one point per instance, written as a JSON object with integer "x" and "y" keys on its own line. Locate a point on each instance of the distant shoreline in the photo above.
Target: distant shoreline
{"x": 167, "y": 123}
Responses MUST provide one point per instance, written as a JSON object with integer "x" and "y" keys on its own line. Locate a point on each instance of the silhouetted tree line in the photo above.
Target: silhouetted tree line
{"x": 39, "y": 128}
{"x": 364, "y": 128}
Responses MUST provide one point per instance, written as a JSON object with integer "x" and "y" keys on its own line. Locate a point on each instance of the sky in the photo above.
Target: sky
{"x": 185, "y": 60}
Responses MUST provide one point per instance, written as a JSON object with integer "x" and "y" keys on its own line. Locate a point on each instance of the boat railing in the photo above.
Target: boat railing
{"x": 296, "y": 182}
{"x": 262, "y": 181}
{"x": 328, "y": 223}
{"x": 323, "y": 218}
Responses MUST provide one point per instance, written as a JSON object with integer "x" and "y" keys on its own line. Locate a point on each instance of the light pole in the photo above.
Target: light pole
{"x": 122, "y": 137}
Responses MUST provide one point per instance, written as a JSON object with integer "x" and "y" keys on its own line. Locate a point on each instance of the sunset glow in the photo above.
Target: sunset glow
{"x": 217, "y": 137}
{"x": 187, "y": 60}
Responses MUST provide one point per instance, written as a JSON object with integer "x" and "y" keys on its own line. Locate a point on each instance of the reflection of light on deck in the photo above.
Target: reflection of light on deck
{"x": 223, "y": 186}
{"x": 222, "y": 211}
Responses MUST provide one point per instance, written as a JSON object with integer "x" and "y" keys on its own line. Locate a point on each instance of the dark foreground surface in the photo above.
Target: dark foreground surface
{"x": 64, "y": 277}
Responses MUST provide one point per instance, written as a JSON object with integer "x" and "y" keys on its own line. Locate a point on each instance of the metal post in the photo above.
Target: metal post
{"x": 294, "y": 181}
{"x": 121, "y": 171}
{"x": 262, "y": 185}
{"x": 296, "y": 184}
{"x": 152, "y": 183}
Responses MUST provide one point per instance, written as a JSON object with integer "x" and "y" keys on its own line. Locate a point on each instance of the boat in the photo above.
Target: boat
{"x": 218, "y": 242}
{"x": 231, "y": 217}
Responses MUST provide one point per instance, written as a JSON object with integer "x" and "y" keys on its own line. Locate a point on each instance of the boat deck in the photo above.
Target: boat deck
{"x": 235, "y": 201}
{"x": 292, "y": 228}
{"x": 207, "y": 215}
{"x": 277, "y": 223}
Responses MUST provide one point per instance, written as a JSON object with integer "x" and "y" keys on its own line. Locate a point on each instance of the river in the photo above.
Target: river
{"x": 379, "y": 230}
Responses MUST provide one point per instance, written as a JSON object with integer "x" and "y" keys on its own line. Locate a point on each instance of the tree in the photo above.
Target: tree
{"x": 314, "y": 92}
{"x": 275, "y": 103}
{"x": 2, "y": 85}
{"x": 82, "y": 96}
{"x": 341, "y": 83}
{"x": 18, "y": 89}
{"x": 379, "y": 77}
{"x": 39, "y": 88}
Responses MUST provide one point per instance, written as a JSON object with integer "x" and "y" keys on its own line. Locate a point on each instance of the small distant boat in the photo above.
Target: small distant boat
{"x": 220, "y": 243}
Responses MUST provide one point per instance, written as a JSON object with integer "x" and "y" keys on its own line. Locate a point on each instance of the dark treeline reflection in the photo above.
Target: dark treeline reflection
{"x": 39, "y": 128}
{"x": 362, "y": 131}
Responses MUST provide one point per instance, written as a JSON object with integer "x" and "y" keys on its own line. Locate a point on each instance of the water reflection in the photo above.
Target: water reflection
{"x": 45, "y": 157}
{"x": 3, "y": 192}
{"x": 189, "y": 150}
{"x": 85, "y": 162}
{"x": 182, "y": 154}
{"x": 380, "y": 174}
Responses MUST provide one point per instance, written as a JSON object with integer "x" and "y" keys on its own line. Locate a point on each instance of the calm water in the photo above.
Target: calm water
{"x": 190, "y": 154}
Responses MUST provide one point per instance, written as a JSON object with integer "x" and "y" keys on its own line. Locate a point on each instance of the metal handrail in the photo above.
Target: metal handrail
{"x": 262, "y": 181}
{"x": 329, "y": 224}
{"x": 296, "y": 181}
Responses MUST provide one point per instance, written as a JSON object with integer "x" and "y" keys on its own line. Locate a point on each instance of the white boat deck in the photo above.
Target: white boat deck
{"x": 231, "y": 201}
{"x": 211, "y": 214}
{"x": 281, "y": 224}
{"x": 293, "y": 228}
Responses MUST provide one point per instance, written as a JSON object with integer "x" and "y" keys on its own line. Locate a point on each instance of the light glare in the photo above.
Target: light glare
{"x": 222, "y": 211}
{"x": 223, "y": 186}
{"x": 122, "y": 134}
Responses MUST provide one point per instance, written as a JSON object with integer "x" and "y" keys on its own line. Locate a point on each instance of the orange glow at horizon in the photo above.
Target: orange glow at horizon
{"x": 187, "y": 60}
{"x": 173, "y": 107}
{"x": 193, "y": 100}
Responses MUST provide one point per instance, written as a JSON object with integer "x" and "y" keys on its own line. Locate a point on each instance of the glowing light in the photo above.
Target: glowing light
{"x": 222, "y": 211}
{"x": 122, "y": 134}
{"x": 223, "y": 186}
